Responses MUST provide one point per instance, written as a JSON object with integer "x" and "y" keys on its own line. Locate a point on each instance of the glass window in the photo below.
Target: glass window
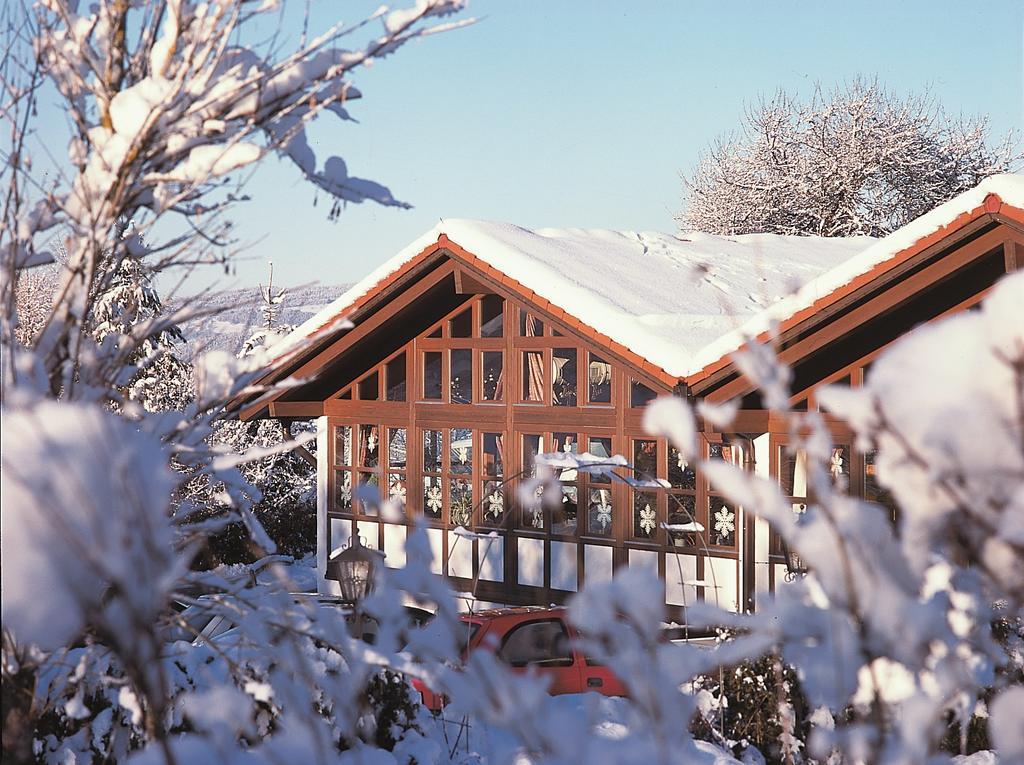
{"x": 394, "y": 378}
{"x": 640, "y": 394}
{"x": 396, "y": 448}
{"x": 493, "y": 502}
{"x": 563, "y": 518}
{"x": 462, "y": 376}
{"x": 397, "y": 488}
{"x": 493, "y": 382}
{"x": 436, "y": 332}
{"x": 599, "y": 374}
{"x": 682, "y": 513}
{"x": 680, "y": 473}
{"x": 533, "y": 376}
{"x": 369, "y": 493}
{"x": 873, "y": 490}
{"x": 433, "y": 497}
{"x": 462, "y": 324}
{"x": 433, "y": 450}
{"x": 491, "y": 313}
{"x": 541, "y": 644}
{"x": 369, "y": 387}
{"x": 563, "y": 376}
{"x": 369, "y": 456}
{"x": 600, "y": 447}
{"x": 530, "y": 325}
{"x": 599, "y": 515}
{"x": 645, "y": 460}
{"x": 645, "y": 514}
{"x": 460, "y": 493}
{"x": 346, "y": 395}
{"x": 492, "y": 464}
{"x": 343, "y": 491}
{"x": 533, "y": 516}
{"x": 461, "y": 454}
{"x": 432, "y": 375}
{"x": 343, "y": 445}
{"x": 723, "y": 522}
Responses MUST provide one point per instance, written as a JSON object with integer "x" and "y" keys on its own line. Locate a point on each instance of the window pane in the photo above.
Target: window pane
{"x": 461, "y": 499}
{"x": 369, "y": 493}
{"x": 491, "y": 308}
{"x": 543, "y": 644}
{"x": 682, "y": 511}
{"x": 492, "y": 466}
{"x": 563, "y": 374}
{"x": 346, "y": 395}
{"x": 566, "y": 442}
{"x": 432, "y": 375}
{"x": 599, "y": 519}
{"x": 462, "y": 325}
{"x": 494, "y": 503}
{"x": 532, "y": 446}
{"x": 396, "y": 448}
{"x": 530, "y": 325}
{"x": 839, "y": 467}
{"x": 680, "y": 472}
{"x": 433, "y": 497}
{"x": 493, "y": 383}
{"x": 343, "y": 445}
{"x": 640, "y": 394}
{"x": 397, "y": 488}
{"x": 369, "y": 387}
{"x": 533, "y": 376}
{"x": 394, "y": 378}
{"x": 432, "y": 451}
{"x": 343, "y": 491}
{"x": 369, "y": 456}
{"x": 600, "y": 447}
{"x": 563, "y": 518}
{"x": 645, "y": 460}
{"x": 645, "y": 514}
{"x": 436, "y": 332}
{"x": 461, "y": 454}
{"x": 599, "y": 374}
{"x": 723, "y": 522}
{"x": 462, "y": 376}
{"x": 873, "y": 490}
{"x": 793, "y": 473}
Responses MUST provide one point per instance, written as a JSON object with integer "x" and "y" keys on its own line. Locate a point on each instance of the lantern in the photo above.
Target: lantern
{"x": 354, "y": 567}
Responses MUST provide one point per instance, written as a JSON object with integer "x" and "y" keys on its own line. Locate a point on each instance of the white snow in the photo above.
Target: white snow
{"x": 681, "y": 302}
{"x": 662, "y": 296}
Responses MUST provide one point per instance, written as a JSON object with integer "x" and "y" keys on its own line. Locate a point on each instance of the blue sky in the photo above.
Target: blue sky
{"x": 585, "y": 114}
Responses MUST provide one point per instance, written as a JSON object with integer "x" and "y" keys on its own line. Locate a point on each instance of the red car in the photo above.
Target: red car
{"x": 537, "y": 638}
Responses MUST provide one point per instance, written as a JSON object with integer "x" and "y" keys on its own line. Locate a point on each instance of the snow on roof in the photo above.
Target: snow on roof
{"x": 1008, "y": 187}
{"x": 680, "y": 301}
{"x": 662, "y": 296}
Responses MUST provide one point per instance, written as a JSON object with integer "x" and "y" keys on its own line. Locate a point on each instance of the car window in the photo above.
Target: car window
{"x": 541, "y": 643}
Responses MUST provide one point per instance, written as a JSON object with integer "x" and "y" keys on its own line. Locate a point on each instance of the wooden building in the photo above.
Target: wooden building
{"x": 438, "y": 377}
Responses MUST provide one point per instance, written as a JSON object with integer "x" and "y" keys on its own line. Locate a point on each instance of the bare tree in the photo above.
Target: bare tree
{"x": 858, "y": 160}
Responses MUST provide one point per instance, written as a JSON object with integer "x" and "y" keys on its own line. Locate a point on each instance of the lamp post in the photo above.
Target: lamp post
{"x": 354, "y": 567}
{"x": 795, "y": 566}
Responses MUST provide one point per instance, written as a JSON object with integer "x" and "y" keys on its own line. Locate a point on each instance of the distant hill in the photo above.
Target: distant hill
{"x": 239, "y": 315}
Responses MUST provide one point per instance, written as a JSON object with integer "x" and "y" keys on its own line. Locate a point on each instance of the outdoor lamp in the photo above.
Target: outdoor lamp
{"x": 354, "y": 567}
{"x": 795, "y": 566}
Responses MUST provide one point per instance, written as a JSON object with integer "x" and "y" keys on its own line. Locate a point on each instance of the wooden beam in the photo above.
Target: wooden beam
{"x": 467, "y": 284}
{"x": 1013, "y": 255}
{"x": 372, "y": 322}
{"x": 300, "y": 409}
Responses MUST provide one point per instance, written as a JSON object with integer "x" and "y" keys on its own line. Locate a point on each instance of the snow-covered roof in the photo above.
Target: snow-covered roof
{"x": 681, "y": 302}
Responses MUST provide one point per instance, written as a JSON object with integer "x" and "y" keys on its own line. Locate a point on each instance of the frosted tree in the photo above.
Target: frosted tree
{"x": 855, "y": 161}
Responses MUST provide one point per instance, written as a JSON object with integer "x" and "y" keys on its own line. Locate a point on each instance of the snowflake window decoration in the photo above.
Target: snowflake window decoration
{"x": 434, "y": 499}
{"x": 462, "y": 453}
{"x": 681, "y": 462}
{"x": 371, "y": 442}
{"x": 836, "y": 464}
{"x": 346, "y": 495}
{"x": 398, "y": 491}
{"x": 538, "y": 518}
{"x": 648, "y": 519}
{"x": 603, "y": 515}
{"x": 495, "y": 504}
{"x": 725, "y": 523}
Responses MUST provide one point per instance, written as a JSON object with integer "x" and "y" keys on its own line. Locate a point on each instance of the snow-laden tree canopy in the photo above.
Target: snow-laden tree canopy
{"x": 852, "y": 162}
